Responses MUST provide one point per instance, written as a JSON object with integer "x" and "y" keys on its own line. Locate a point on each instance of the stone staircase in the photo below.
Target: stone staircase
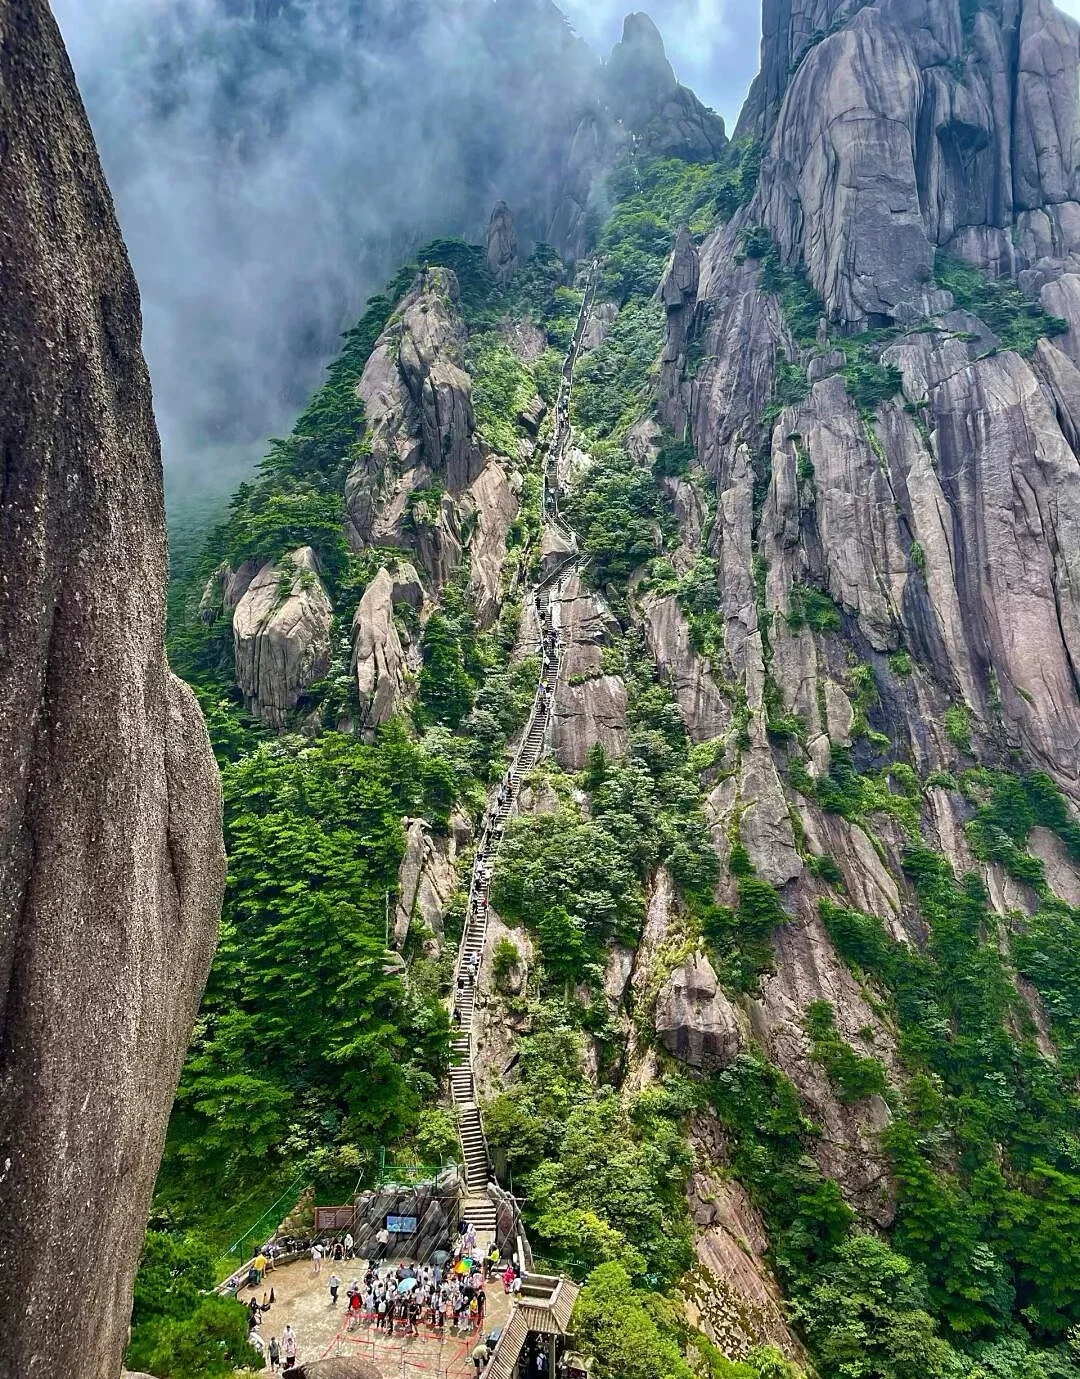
{"x": 471, "y": 950}
{"x": 477, "y": 1206}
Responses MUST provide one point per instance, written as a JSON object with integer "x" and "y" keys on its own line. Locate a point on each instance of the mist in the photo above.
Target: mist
{"x": 273, "y": 161}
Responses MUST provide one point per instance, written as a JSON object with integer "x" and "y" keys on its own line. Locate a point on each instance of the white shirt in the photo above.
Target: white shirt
{"x": 316, "y": 1253}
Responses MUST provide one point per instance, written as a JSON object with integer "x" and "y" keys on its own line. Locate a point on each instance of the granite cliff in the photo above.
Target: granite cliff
{"x": 111, "y": 861}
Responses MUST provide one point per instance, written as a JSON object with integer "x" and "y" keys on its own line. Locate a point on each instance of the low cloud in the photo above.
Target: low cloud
{"x": 273, "y": 161}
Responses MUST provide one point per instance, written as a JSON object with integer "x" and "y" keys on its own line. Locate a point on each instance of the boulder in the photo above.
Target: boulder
{"x": 502, "y": 247}
{"x": 111, "y": 858}
{"x": 281, "y": 636}
{"x": 378, "y": 658}
{"x": 695, "y": 1021}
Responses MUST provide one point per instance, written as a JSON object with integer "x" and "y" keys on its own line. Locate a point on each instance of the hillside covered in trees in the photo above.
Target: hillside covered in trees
{"x": 780, "y": 1004}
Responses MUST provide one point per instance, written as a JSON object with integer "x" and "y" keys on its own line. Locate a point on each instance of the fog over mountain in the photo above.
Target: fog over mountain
{"x": 272, "y": 162}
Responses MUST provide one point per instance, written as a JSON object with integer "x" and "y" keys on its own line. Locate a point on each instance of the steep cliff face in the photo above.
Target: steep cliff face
{"x": 111, "y": 863}
{"x": 892, "y": 448}
{"x": 281, "y": 634}
{"x": 776, "y": 1012}
{"x": 909, "y": 126}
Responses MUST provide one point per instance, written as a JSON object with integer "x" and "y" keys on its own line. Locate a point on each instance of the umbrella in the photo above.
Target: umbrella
{"x": 406, "y": 1285}
{"x": 463, "y": 1266}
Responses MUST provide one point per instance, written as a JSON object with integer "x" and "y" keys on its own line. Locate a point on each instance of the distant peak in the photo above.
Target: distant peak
{"x": 639, "y": 31}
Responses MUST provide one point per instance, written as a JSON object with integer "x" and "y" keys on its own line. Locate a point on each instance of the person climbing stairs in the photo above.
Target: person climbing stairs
{"x": 477, "y": 1206}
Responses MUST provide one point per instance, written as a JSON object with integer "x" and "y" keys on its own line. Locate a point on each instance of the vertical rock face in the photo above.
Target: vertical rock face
{"x": 426, "y": 880}
{"x": 281, "y": 635}
{"x": 590, "y": 706}
{"x": 502, "y": 250}
{"x": 111, "y": 862}
{"x": 379, "y": 661}
{"x": 908, "y": 125}
{"x": 425, "y": 468}
{"x": 667, "y": 632}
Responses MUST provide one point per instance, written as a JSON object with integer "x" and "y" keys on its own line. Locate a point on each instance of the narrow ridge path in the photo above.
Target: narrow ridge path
{"x": 544, "y": 595}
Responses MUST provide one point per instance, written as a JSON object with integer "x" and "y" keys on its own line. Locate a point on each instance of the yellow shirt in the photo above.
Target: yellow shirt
{"x": 260, "y": 1263}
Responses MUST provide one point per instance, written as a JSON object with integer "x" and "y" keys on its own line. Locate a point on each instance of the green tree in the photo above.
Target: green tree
{"x": 179, "y": 1330}
{"x": 618, "y": 1325}
{"x": 446, "y": 690}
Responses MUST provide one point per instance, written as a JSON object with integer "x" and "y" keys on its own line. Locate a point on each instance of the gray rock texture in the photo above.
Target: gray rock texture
{"x": 590, "y": 705}
{"x": 643, "y": 93}
{"x": 420, "y": 428}
{"x": 379, "y": 660}
{"x": 667, "y": 633}
{"x": 502, "y": 247}
{"x": 695, "y": 1020}
{"x": 339, "y": 1367}
{"x": 281, "y": 636}
{"x": 495, "y": 505}
{"x": 426, "y": 880}
{"x": 731, "y": 1295}
{"x": 111, "y": 860}
{"x": 897, "y": 126}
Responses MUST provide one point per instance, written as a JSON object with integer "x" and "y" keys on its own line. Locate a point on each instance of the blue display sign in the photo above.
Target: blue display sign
{"x": 401, "y": 1225}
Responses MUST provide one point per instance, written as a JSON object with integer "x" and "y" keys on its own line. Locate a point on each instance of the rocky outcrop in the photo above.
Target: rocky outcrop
{"x": 667, "y": 633}
{"x": 225, "y": 588}
{"x": 495, "y": 505}
{"x": 643, "y": 93}
{"x": 502, "y": 248}
{"x": 678, "y": 293}
{"x": 281, "y": 636}
{"x": 840, "y": 189}
{"x": 426, "y": 880}
{"x": 906, "y": 126}
{"x": 420, "y": 429}
{"x": 379, "y": 660}
{"x": 590, "y": 704}
{"x": 111, "y": 860}
{"x": 694, "y": 1020}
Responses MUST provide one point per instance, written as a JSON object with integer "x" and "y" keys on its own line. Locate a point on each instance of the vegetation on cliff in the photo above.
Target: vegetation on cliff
{"x": 972, "y": 1271}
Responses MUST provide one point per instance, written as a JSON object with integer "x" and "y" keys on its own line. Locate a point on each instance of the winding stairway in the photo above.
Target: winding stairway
{"x": 477, "y": 1205}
